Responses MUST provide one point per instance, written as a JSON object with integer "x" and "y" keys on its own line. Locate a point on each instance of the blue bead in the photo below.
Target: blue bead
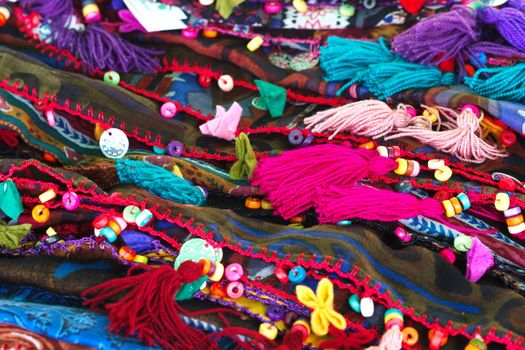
{"x": 110, "y": 235}
{"x": 355, "y": 303}
{"x": 295, "y": 137}
{"x": 297, "y": 274}
{"x": 159, "y": 150}
{"x": 344, "y": 223}
{"x": 465, "y": 202}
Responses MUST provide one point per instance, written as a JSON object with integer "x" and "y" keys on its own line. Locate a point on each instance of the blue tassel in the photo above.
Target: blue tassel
{"x": 500, "y": 83}
{"x": 159, "y": 181}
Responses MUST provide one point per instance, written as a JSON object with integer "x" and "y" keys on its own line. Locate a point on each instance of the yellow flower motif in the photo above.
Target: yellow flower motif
{"x": 322, "y": 304}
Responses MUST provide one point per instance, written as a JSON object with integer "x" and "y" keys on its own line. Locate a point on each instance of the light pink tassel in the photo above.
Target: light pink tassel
{"x": 371, "y": 118}
{"x": 391, "y": 340}
{"x": 462, "y": 139}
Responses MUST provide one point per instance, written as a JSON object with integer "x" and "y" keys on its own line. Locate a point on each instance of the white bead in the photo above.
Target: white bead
{"x": 367, "y": 307}
{"x": 206, "y": 2}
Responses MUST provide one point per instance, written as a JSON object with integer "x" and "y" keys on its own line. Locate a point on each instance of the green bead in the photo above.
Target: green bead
{"x": 257, "y": 103}
{"x": 394, "y": 311}
{"x": 346, "y": 10}
{"x": 462, "y": 243}
{"x": 296, "y": 225}
{"x": 159, "y": 150}
{"x": 112, "y": 78}
{"x": 344, "y": 223}
{"x": 476, "y": 5}
{"x": 355, "y": 303}
{"x": 478, "y": 343}
{"x": 130, "y": 213}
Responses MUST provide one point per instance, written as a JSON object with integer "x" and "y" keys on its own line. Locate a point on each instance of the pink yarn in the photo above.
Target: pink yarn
{"x": 391, "y": 340}
{"x": 369, "y": 118}
{"x": 290, "y": 180}
{"x": 334, "y": 204}
{"x": 462, "y": 138}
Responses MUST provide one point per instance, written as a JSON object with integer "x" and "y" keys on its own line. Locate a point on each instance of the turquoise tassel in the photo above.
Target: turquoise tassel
{"x": 159, "y": 181}
{"x": 500, "y": 83}
{"x": 10, "y": 201}
{"x": 373, "y": 65}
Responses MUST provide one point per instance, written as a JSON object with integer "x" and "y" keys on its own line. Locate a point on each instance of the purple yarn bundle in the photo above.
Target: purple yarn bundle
{"x": 96, "y": 47}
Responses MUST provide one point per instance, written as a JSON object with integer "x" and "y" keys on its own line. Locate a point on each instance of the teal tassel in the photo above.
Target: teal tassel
{"x": 388, "y": 79}
{"x": 372, "y": 64}
{"x": 10, "y": 201}
{"x": 159, "y": 181}
{"x": 500, "y": 83}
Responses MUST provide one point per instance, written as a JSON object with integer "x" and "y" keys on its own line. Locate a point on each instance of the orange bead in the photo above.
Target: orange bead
{"x": 210, "y": 34}
{"x": 457, "y": 205}
{"x": 218, "y": 290}
{"x": 127, "y": 253}
{"x": 252, "y": 203}
{"x": 206, "y": 266}
{"x": 470, "y": 70}
{"x": 48, "y": 157}
{"x": 410, "y": 336}
{"x": 112, "y": 224}
{"x": 299, "y": 219}
{"x": 40, "y": 213}
{"x": 514, "y": 220}
{"x": 3, "y": 19}
{"x": 437, "y": 339}
{"x": 368, "y": 145}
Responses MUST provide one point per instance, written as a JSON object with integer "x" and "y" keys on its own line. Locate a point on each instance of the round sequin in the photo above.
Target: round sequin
{"x": 114, "y": 143}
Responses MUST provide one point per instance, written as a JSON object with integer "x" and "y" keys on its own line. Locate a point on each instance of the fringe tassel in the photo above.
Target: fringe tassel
{"x": 509, "y": 22}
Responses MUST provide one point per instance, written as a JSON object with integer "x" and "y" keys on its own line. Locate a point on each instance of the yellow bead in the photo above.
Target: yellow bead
{"x": 40, "y": 213}
{"x": 47, "y": 195}
{"x": 266, "y": 205}
{"x": 449, "y": 208}
{"x": 383, "y": 152}
{"x": 443, "y": 173}
{"x": 141, "y": 259}
{"x": 368, "y": 145}
{"x": 98, "y": 131}
{"x": 210, "y": 34}
{"x": 255, "y": 43}
{"x": 219, "y": 271}
{"x": 300, "y": 5}
{"x": 402, "y": 166}
{"x": 89, "y": 8}
{"x": 471, "y": 347}
{"x": 431, "y": 113}
{"x": 391, "y": 316}
{"x": 268, "y": 330}
{"x": 457, "y": 205}
{"x": 51, "y": 232}
{"x": 502, "y": 201}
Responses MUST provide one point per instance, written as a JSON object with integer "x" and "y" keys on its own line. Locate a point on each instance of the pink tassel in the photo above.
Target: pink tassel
{"x": 462, "y": 139}
{"x": 391, "y": 340}
{"x": 369, "y": 118}
{"x": 479, "y": 260}
{"x": 290, "y": 180}
{"x": 334, "y": 204}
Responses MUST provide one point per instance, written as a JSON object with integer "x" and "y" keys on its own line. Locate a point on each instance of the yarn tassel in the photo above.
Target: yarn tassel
{"x": 334, "y": 204}
{"x": 509, "y": 21}
{"x": 391, "y": 340}
{"x": 148, "y": 309}
{"x": 461, "y": 140}
{"x": 57, "y": 10}
{"x": 290, "y": 180}
{"x": 246, "y": 159}
{"x": 439, "y": 37}
{"x": 370, "y": 118}
{"x": 505, "y": 83}
{"x": 159, "y": 182}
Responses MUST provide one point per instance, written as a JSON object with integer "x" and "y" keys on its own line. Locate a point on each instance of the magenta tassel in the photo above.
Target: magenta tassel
{"x": 291, "y": 179}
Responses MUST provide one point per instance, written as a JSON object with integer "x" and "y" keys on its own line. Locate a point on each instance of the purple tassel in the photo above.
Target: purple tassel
{"x": 443, "y": 34}
{"x": 99, "y": 49}
{"x": 510, "y": 23}
{"x": 517, "y": 4}
{"x": 57, "y": 10}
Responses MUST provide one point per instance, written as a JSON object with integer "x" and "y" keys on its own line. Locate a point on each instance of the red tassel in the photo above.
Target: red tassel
{"x": 350, "y": 341}
{"x": 291, "y": 179}
{"x": 292, "y": 341}
{"x": 148, "y": 309}
{"x": 412, "y": 6}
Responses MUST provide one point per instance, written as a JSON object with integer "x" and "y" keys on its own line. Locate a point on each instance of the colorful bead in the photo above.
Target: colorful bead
{"x": 476, "y": 344}
{"x": 234, "y": 290}
{"x": 512, "y": 212}
{"x": 404, "y": 186}
{"x": 435, "y": 163}
{"x": 449, "y": 208}
{"x": 295, "y": 137}
{"x": 140, "y": 259}
{"x": 98, "y": 131}
{"x": 107, "y": 232}
{"x": 210, "y": 33}
{"x": 344, "y": 223}
{"x": 47, "y": 196}
{"x": 219, "y": 272}
{"x": 252, "y": 203}
{"x": 218, "y": 290}
{"x": 502, "y": 201}
{"x": 347, "y": 10}
{"x": 443, "y": 173}
{"x": 268, "y": 330}
{"x": 126, "y": 253}
{"x": 507, "y": 138}
{"x": 514, "y": 230}
{"x": 402, "y": 234}
{"x": 266, "y": 205}
{"x": 255, "y": 43}
{"x": 416, "y": 170}
{"x": 303, "y": 327}
{"x": 431, "y": 114}
{"x": 402, "y": 166}
{"x": 281, "y": 275}
{"x": 289, "y": 318}
{"x": 275, "y": 312}
{"x": 70, "y": 200}
{"x": 100, "y": 221}
{"x": 234, "y": 272}
{"x": 206, "y": 266}
{"x": 130, "y": 213}
{"x": 448, "y": 255}
{"x": 5, "y": 14}
{"x": 190, "y": 33}
{"x": 114, "y": 226}
{"x": 91, "y": 12}
{"x": 297, "y": 274}
{"x": 456, "y": 204}
{"x": 473, "y": 108}
{"x": 410, "y": 336}
{"x": 465, "y": 201}
{"x": 143, "y": 218}
{"x": 437, "y": 339}
{"x": 369, "y": 145}
{"x": 383, "y": 152}
{"x": 300, "y": 5}
{"x": 354, "y": 303}
{"x": 205, "y": 81}
{"x": 514, "y": 220}
{"x": 462, "y": 243}
{"x": 225, "y": 83}
{"x": 111, "y": 78}
{"x": 273, "y": 7}
{"x": 168, "y": 110}
{"x": 175, "y": 149}
{"x": 50, "y": 117}
{"x": 367, "y": 307}
{"x": 121, "y": 222}
{"x": 206, "y": 2}
{"x": 407, "y": 167}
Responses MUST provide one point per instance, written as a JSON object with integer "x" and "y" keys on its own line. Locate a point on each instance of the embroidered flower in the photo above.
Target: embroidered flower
{"x": 322, "y": 304}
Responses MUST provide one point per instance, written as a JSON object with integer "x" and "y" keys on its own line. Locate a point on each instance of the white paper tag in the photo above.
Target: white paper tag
{"x": 156, "y": 17}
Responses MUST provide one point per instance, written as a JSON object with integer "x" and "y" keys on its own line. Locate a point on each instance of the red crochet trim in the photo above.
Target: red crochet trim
{"x": 286, "y": 262}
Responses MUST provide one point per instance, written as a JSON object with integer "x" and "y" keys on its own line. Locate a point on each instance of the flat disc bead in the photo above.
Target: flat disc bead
{"x": 70, "y": 200}
{"x": 435, "y": 163}
{"x": 464, "y": 200}
{"x": 514, "y": 230}
{"x": 234, "y": 272}
{"x": 234, "y": 290}
{"x": 502, "y": 201}
{"x": 402, "y": 166}
{"x": 353, "y": 301}
{"x": 143, "y": 218}
{"x": 225, "y": 83}
{"x": 268, "y": 330}
{"x": 382, "y": 150}
{"x": 449, "y": 208}
{"x": 514, "y": 220}
{"x": 410, "y": 336}
{"x": 462, "y": 243}
{"x": 297, "y": 274}
{"x": 512, "y": 212}
{"x": 168, "y": 110}
{"x": 111, "y": 78}
{"x": 417, "y": 169}
{"x": 443, "y": 173}
{"x": 457, "y": 205}
{"x": 40, "y": 213}
{"x": 130, "y": 213}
